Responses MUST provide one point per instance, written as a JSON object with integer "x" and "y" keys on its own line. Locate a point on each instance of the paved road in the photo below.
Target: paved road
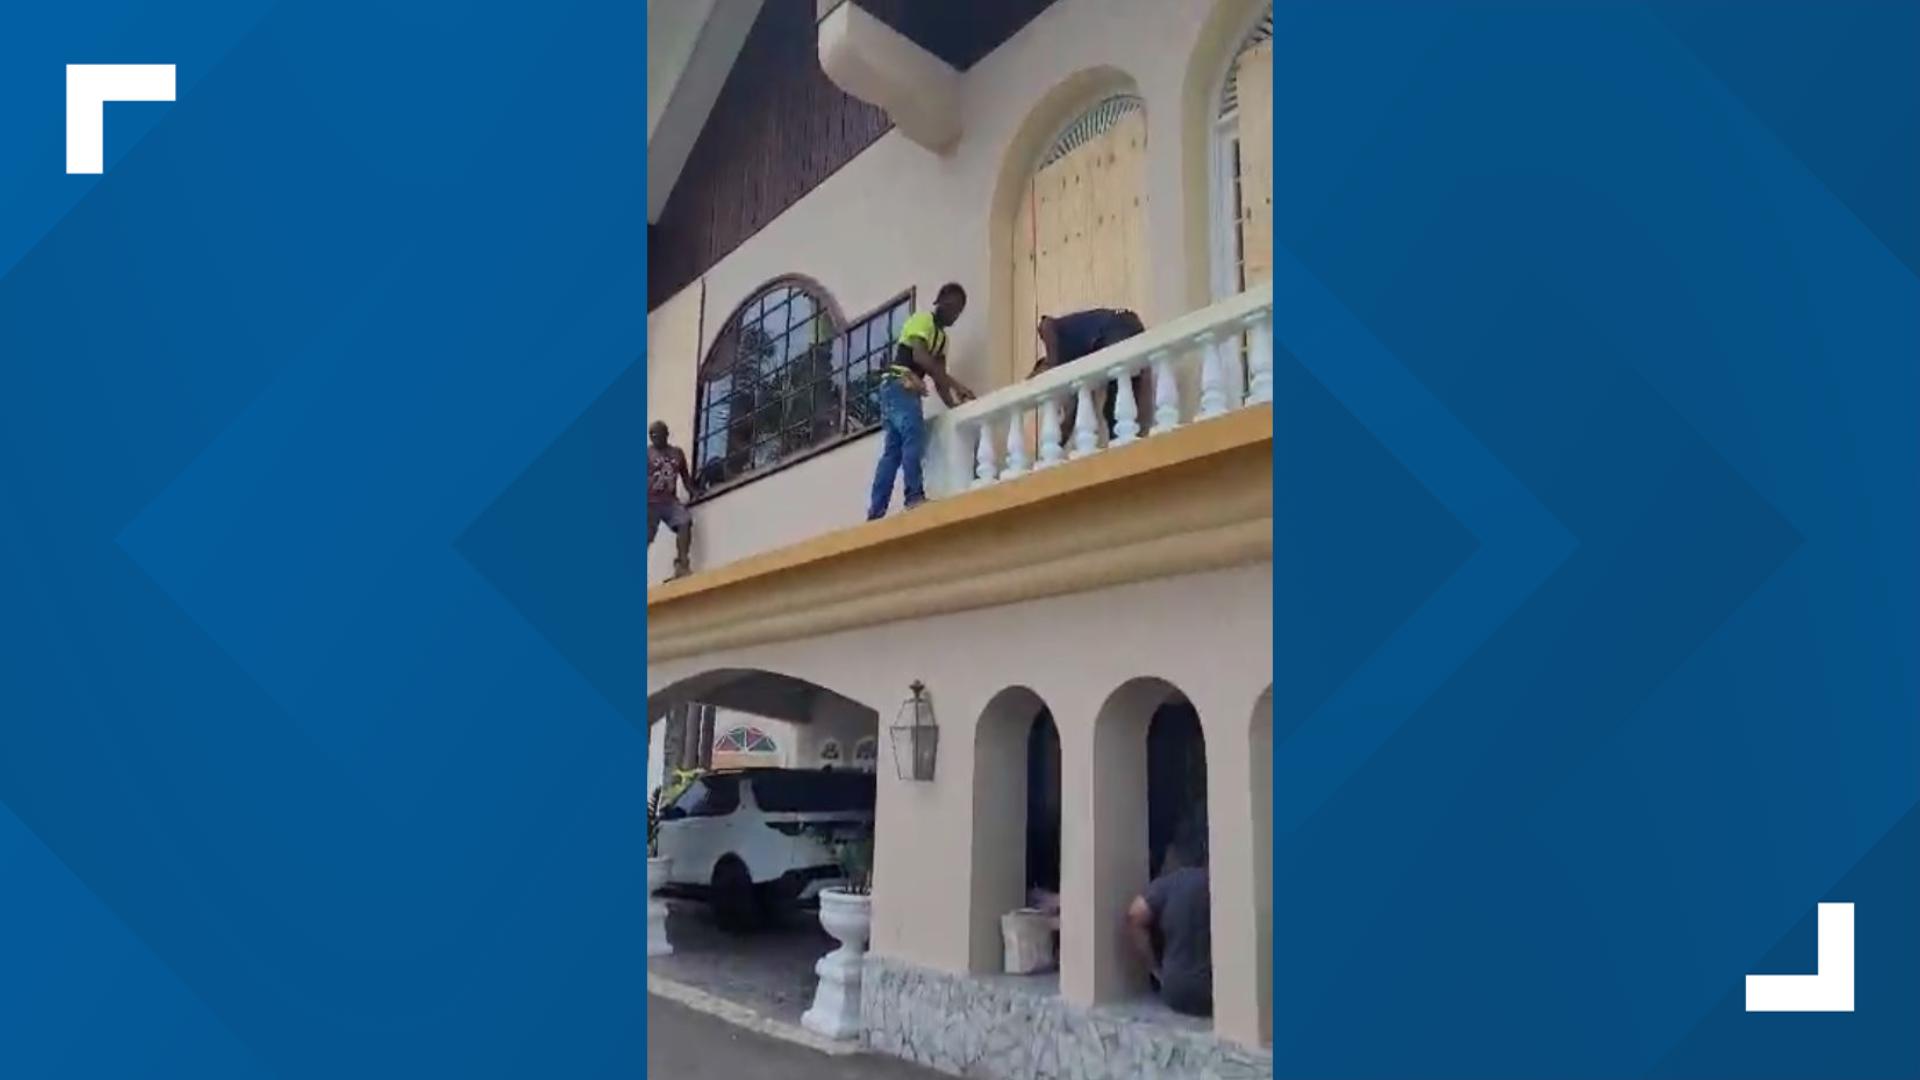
{"x": 689, "y": 1045}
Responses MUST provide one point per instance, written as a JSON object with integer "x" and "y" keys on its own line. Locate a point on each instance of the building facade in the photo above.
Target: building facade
{"x": 1088, "y": 610}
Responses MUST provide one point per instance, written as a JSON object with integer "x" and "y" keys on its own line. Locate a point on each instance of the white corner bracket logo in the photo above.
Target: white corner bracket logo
{"x": 89, "y": 88}
{"x": 1829, "y": 988}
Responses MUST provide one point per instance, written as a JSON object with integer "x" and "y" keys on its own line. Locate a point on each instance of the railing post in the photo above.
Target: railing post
{"x": 1166, "y": 393}
{"x": 1126, "y": 411}
{"x": 983, "y": 465}
{"x": 1085, "y": 422}
{"x": 1260, "y": 356}
{"x": 1050, "y": 452}
{"x": 1213, "y": 391}
{"x": 1017, "y": 461}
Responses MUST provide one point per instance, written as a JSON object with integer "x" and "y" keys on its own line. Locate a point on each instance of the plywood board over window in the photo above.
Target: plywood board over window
{"x": 1080, "y": 232}
{"x": 1253, "y": 76}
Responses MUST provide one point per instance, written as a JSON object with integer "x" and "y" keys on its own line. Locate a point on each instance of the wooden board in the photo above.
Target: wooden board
{"x": 1080, "y": 235}
{"x": 1255, "y": 88}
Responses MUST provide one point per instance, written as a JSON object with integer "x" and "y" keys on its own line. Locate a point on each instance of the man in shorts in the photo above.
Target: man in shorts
{"x": 666, "y": 472}
{"x": 1066, "y": 338}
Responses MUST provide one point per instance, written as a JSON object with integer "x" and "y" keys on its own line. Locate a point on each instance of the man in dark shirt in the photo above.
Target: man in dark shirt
{"x": 1066, "y": 338}
{"x": 1177, "y": 910}
{"x": 666, "y": 472}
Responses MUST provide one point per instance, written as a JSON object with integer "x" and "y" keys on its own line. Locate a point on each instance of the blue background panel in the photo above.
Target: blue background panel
{"x": 1628, "y": 290}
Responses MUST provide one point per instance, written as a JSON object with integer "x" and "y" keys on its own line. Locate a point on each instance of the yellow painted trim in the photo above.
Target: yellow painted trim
{"x": 1197, "y": 498}
{"x": 1193, "y": 442}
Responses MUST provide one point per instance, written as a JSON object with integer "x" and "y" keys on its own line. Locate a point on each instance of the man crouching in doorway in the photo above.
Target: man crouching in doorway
{"x": 1171, "y": 927}
{"x": 666, "y": 472}
{"x": 919, "y": 356}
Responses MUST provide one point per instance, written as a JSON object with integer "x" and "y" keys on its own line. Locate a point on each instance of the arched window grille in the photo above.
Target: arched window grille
{"x": 746, "y": 740}
{"x": 1092, "y": 124}
{"x": 785, "y": 378}
{"x": 1243, "y": 166}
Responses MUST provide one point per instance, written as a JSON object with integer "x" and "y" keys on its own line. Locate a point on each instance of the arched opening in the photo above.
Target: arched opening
{"x": 1075, "y": 131}
{"x": 755, "y": 828}
{"x": 1043, "y": 811}
{"x": 1226, "y": 150}
{"x": 1016, "y": 818}
{"x": 1079, "y": 232}
{"x": 1176, "y": 783}
{"x": 1148, "y": 791}
{"x": 1240, "y": 215}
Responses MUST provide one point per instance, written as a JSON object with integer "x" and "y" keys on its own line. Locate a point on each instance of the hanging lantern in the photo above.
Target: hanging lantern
{"x": 916, "y": 740}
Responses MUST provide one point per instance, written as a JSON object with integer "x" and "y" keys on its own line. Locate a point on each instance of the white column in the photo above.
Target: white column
{"x": 1126, "y": 411}
{"x": 1085, "y": 422}
{"x": 1050, "y": 452}
{"x": 1260, "y": 357}
{"x": 1213, "y": 389}
{"x": 983, "y": 466}
{"x": 1166, "y": 394}
{"x": 1017, "y": 460}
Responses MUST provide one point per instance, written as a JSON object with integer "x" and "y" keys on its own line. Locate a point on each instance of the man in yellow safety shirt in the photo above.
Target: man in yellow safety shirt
{"x": 919, "y": 357}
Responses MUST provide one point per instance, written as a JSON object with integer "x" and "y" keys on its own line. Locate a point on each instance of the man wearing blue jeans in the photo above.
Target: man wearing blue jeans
{"x": 919, "y": 356}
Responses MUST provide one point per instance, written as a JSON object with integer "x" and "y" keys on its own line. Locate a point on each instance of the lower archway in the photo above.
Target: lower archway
{"x": 1016, "y": 818}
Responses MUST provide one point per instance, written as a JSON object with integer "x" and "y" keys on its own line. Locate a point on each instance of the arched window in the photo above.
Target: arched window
{"x": 1242, "y": 202}
{"x": 785, "y": 377}
{"x": 746, "y": 740}
{"x": 1079, "y": 232}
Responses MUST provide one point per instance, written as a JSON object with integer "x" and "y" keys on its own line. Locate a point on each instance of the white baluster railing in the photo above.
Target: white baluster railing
{"x": 1017, "y": 461}
{"x": 1203, "y": 348}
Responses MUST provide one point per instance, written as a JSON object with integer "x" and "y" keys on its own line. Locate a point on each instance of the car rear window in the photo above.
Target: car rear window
{"x": 813, "y": 792}
{"x": 711, "y": 796}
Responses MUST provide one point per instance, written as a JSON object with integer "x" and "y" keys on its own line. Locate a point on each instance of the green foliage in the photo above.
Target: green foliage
{"x": 855, "y": 857}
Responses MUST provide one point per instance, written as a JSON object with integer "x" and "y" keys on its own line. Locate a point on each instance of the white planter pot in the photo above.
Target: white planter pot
{"x": 1028, "y": 935}
{"x": 836, "y": 1002}
{"x": 657, "y": 944}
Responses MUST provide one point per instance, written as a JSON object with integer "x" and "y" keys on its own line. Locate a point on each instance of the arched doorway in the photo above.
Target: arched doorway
{"x": 1240, "y": 163}
{"x": 1079, "y": 229}
{"x": 1176, "y": 782}
{"x": 1148, "y": 795}
{"x": 1016, "y": 817}
{"x": 754, "y": 827}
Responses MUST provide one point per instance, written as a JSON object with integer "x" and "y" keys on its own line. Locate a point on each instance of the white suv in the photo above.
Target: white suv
{"x": 757, "y": 840}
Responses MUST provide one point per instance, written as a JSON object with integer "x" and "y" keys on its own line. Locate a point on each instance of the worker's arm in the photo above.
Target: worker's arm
{"x": 946, "y": 385}
{"x": 1050, "y": 342}
{"x": 686, "y": 474}
{"x": 1140, "y": 933}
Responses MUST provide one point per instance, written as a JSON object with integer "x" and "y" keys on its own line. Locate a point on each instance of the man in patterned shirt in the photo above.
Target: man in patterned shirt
{"x": 666, "y": 472}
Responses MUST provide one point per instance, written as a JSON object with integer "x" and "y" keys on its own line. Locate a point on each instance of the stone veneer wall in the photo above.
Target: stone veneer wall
{"x": 1003, "y": 1028}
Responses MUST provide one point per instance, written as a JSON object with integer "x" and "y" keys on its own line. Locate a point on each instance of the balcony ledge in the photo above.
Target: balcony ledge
{"x": 1196, "y": 498}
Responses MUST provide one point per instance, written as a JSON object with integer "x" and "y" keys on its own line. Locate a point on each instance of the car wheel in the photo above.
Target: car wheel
{"x": 733, "y": 901}
{"x": 778, "y": 899}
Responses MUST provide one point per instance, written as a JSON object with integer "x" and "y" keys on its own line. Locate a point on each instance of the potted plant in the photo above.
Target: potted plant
{"x": 846, "y": 912}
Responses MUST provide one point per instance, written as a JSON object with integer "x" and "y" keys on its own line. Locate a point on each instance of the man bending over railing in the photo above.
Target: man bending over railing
{"x": 1066, "y": 338}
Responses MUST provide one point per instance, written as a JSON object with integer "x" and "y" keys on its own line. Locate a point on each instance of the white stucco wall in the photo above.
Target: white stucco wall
{"x": 901, "y": 216}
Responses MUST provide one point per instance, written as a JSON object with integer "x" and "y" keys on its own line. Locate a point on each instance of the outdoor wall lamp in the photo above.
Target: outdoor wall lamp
{"x": 916, "y": 740}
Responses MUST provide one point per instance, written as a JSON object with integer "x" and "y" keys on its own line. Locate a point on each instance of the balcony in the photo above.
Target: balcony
{"x": 1023, "y": 506}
